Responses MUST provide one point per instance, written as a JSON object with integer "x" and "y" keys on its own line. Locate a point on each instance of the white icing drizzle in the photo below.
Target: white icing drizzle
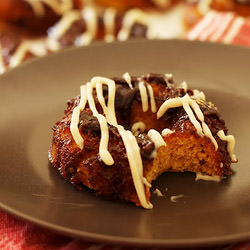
{"x": 61, "y": 27}
{"x": 2, "y": 66}
{"x": 131, "y": 17}
{"x": 109, "y": 24}
{"x": 170, "y": 103}
{"x": 146, "y": 183}
{"x": 59, "y": 7}
{"x": 166, "y": 132}
{"x": 157, "y": 139}
{"x": 126, "y": 76}
{"x": 200, "y": 176}
{"x": 135, "y": 162}
{"x": 152, "y": 98}
{"x": 129, "y": 140}
{"x": 37, "y": 7}
{"x": 168, "y": 76}
{"x": 186, "y": 102}
{"x": 186, "y": 105}
{"x": 103, "y": 150}
{"x": 52, "y": 44}
{"x": 109, "y": 110}
{"x": 230, "y": 144}
{"x": 103, "y": 147}
{"x": 158, "y": 192}
{"x": 84, "y": 39}
{"x": 200, "y": 116}
{"x": 89, "y": 14}
{"x": 174, "y": 198}
{"x": 75, "y": 117}
{"x": 197, "y": 94}
{"x": 37, "y": 48}
{"x": 144, "y": 96}
{"x": 138, "y": 127}
{"x": 184, "y": 86}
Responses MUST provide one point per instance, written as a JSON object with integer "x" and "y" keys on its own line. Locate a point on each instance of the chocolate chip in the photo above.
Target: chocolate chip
{"x": 146, "y": 145}
{"x": 138, "y": 30}
{"x": 202, "y": 162}
{"x": 156, "y": 78}
{"x": 89, "y": 122}
{"x": 76, "y": 29}
{"x": 124, "y": 96}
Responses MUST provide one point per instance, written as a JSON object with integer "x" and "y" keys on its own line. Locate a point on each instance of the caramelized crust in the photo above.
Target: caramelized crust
{"x": 185, "y": 150}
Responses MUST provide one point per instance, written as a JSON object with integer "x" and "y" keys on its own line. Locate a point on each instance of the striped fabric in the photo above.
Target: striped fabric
{"x": 19, "y": 235}
{"x": 222, "y": 27}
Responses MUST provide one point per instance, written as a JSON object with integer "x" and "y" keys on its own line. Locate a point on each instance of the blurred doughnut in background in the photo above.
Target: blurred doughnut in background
{"x": 33, "y": 28}
{"x": 34, "y": 16}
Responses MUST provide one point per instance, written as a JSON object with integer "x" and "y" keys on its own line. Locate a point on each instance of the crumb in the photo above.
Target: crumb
{"x": 174, "y": 198}
{"x": 158, "y": 192}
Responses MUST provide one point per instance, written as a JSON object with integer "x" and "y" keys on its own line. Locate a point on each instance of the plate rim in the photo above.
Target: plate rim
{"x": 104, "y": 44}
{"x": 128, "y": 241}
{"x": 115, "y": 240}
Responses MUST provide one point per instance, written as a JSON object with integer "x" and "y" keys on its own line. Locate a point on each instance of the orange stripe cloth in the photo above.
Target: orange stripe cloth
{"x": 18, "y": 235}
{"x": 222, "y": 27}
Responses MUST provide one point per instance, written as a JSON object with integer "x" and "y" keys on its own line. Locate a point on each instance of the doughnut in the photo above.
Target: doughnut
{"x": 121, "y": 133}
{"x": 128, "y": 4}
{"x": 82, "y": 27}
{"x": 34, "y": 15}
{"x": 74, "y": 28}
{"x": 14, "y": 49}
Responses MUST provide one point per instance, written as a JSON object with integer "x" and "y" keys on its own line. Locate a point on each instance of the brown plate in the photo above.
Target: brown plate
{"x": 32, "y": 99}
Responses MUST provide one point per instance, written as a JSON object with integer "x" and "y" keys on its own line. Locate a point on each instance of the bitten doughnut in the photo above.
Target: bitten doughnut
{"x": 120, "y": 134}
